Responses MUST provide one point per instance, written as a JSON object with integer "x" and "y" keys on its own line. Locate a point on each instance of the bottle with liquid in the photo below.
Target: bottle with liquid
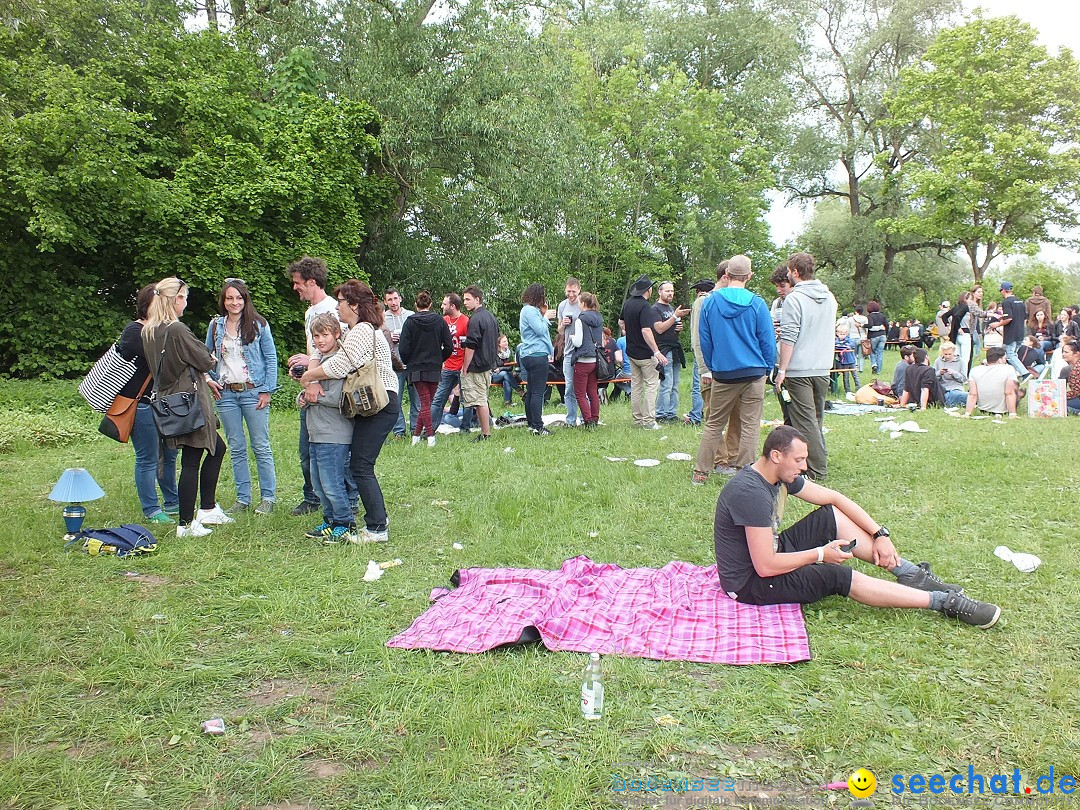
{"x": 592, "y": 690}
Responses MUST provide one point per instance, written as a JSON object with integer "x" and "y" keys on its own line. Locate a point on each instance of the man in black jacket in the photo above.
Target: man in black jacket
{"x": 481, "y": 346}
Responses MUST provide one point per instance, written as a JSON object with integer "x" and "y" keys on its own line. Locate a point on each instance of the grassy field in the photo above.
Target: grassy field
{"x": 107, "y": 667}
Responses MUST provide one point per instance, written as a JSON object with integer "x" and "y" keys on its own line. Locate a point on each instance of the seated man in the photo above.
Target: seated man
{"x": 993, "y": 386}
{"x": 907, "y": 357}
{"x": 951, "y": 376}
{"x": 759, "y": 565}
{"x": 920, "y": 383}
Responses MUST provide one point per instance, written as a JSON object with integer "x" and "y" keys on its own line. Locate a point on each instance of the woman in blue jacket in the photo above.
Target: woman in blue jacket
{"x": 243, "y": 379}
{"x": 535, "y": 352}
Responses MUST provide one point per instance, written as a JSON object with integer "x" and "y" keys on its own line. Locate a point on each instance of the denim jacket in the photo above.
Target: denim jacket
{"x": 260, "y": 355}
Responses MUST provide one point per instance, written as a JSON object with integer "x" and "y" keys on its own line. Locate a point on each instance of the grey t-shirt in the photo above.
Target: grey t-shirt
{"x": 746, "y": 500}
{"x": 326, "y": 424}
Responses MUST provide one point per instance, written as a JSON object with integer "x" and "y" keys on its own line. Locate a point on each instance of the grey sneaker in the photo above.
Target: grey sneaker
{"x": 265, "y": 507}
{"x": 926, "y": 580}
{"x": 237, "y": 508}
{"x": 970, "y": 611}
{"x": 725, "y": 469}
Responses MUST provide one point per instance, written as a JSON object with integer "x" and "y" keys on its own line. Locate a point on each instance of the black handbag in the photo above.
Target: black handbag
{"x": 180, "y": 413}
{"x": 605, "y": 369}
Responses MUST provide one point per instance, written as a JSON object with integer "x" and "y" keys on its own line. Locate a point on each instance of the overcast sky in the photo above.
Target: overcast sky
{"x": 1058, "y": 23}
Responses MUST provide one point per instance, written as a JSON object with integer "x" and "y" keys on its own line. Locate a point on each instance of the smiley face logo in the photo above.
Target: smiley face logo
{"x": 862, "y": 783}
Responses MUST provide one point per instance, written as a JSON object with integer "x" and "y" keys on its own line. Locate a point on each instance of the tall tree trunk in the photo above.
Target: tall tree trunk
{"x": 239, "y": 11}
{"x": 862, "y": 257}
{"x": 887, "y": 268}
{"x": 211, "y": 14}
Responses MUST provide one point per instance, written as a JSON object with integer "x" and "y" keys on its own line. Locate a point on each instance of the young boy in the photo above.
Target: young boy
{"x": 330, "y": 438}
{"x": 844, "y": 360}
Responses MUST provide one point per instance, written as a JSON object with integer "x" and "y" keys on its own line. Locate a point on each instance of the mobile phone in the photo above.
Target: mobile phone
{"x": 849, "y": 547}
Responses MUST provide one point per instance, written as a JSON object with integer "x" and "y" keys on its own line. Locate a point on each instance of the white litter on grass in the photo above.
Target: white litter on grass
{"x": 373, "y": 571}
{"x": 458, "y": 547}
{"x": 616, "y": 458}
{"x": 508, "y": 450}
{"x": 444, "y": 428}
{"x": 826, "y": 430}
{"x": 911, "y": 426}
{"x": 896, "y": 434}
{"x": 679, "y": 457}
{"x": 594, "y": 535}
{"x": 550, "y": 419}
{"x": 997, "y": 421}
{"x": 1022, "y": 560}
{"x": 888, "y": 425}
{"x": 647, "y": 462}
{"x": 663, "y": 438}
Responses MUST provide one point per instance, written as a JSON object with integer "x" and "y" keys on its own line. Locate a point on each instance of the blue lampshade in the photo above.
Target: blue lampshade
{"x": 75, "y": 486}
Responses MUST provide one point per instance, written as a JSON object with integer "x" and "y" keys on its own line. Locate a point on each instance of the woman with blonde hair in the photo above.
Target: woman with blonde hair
{"x": 362, "y": 312}
{"x": 178, "y": 362}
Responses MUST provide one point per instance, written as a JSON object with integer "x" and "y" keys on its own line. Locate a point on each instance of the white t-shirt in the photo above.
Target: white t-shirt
{"x": 990, "y": 382}
{"x": 328, "y": 304}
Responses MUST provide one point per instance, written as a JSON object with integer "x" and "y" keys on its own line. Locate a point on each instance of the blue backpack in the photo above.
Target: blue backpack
{"x": 122, "y": 541}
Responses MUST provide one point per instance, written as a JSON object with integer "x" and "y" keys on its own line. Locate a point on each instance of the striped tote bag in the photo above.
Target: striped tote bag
{"x": 109, "y": 374}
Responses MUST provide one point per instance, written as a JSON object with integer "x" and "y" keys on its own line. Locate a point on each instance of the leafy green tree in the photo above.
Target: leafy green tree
{"x": 134, "y": 150}
{"x": 1000, "y": 160}
{"x": 850, "y": 148}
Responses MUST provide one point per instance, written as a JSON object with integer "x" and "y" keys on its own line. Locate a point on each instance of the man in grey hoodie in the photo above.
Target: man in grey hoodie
{"x": 807, "y": 325}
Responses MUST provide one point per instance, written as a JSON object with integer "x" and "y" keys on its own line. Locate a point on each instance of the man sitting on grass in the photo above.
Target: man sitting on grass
{"x": 760, "y": 565}
{"x": 993, "y": 386}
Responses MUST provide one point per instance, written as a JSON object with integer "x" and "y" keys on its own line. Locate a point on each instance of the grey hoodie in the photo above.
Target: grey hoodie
{"x": 808, "y": 323}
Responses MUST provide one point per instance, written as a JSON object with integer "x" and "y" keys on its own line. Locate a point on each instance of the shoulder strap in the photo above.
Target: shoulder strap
{"x": 161, "y": 358}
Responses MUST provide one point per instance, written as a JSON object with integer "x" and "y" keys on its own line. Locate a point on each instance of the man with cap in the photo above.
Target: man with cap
{"x": 645, "y": 357}
{"x": 697, "y": 404}
{"x": 1011, "y": 326}
{"x": 739, "y": 348}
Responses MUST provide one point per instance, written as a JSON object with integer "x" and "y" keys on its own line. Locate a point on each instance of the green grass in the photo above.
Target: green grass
{"x": 101, "y": 698}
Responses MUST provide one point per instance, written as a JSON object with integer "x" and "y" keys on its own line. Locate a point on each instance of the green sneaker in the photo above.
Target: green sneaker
{"x": 160, "y": 517}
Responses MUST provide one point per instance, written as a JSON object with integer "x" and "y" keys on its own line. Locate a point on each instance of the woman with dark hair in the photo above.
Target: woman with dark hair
{"x": 585, "y": 339}
{"x": 876, "y": 329}
{"x": 1065, "y": 327}
{"x": 144, "y": 435}
{"x": 958, "y": 319}
{"x": 244, "y": 378}
{"x": 180, "y": 363}
{"x": 362, "y": 312}
{"x": 1042, "y": 330}
{"x": 535, "y": 352}
{"x": 424, "y": 345}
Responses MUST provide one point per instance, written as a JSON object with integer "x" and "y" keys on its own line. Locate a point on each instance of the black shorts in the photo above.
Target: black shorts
{"x": 809, "y": 583}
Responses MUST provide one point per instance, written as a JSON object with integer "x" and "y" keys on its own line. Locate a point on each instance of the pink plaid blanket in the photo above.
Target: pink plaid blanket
{"x": 676, "y": 613}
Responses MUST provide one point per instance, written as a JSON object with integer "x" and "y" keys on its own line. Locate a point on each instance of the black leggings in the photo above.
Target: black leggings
{"x": 205, "y": 480}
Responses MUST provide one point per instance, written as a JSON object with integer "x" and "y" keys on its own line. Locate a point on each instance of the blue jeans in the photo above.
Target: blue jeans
{"x": 534, "y": 372}
{"x": 369, "y": 435}
{"x": 509, "y": 384}
{"x": 403, "y": 385}
{"x": 145, "y": 440}
{"x": 1011, "y": 349}
{"x": 310, "y": 496}
{"x": 447, "y": 381}
{"x": 957, "y": 398}
{"x": 667, "y": 400}
{"x": 568, "y": 395}
{"x": 235, "y": 408}
{"x": 329, "y": 465}
{"x": 697, "y": 404}
{"x": 877, "y": 352}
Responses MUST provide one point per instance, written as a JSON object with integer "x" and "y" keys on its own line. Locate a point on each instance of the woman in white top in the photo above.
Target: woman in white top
{"x": 362, "y": 312}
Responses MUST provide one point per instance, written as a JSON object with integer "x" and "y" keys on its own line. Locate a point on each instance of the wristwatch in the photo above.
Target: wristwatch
{"x": 882, "y": 532}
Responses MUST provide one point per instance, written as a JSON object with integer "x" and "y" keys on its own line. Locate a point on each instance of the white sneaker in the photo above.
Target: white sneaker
{"x": 415, "y": 441}
{"x": 213, "y": 517}
{"x": 430, "y": 441}
{"x": 196, "y": 529}
{"x": 367, "y": 536}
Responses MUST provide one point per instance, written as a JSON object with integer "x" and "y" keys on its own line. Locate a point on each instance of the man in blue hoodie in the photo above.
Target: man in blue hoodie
{"x": 807, "y": 334}
{"x": 739, "y": 347}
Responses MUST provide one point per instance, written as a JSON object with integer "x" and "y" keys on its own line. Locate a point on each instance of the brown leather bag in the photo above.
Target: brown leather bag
{"x": 120, "y": 418}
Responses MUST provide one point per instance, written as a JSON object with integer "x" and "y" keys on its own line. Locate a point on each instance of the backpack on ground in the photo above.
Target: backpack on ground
{"x": 123, "y": 541}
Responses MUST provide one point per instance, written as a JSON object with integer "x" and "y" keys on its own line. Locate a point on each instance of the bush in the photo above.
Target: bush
{"x": 47, "y": 427}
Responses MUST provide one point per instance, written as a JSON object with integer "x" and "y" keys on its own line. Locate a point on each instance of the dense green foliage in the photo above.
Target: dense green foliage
{"x": 1000, "y": 156}
{"x": 137, "y": 150}
{"x": 430, "y": 146}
